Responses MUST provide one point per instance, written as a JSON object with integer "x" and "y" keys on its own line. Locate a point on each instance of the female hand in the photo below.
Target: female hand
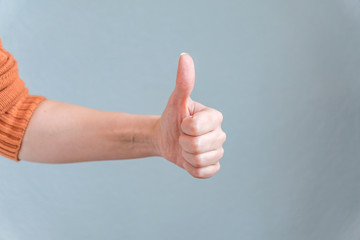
{"x": 188, "y": 133}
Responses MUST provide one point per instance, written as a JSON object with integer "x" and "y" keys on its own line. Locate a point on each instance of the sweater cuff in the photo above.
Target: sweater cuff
{"x": 13, "y": 124}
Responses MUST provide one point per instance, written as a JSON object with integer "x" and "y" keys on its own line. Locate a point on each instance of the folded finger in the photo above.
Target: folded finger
{"x": 203, "y": 159}
{"x": 202, "y": 122}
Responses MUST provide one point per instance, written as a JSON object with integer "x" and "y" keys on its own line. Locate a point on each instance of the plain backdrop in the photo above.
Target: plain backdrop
{"x": 284, "y": 73}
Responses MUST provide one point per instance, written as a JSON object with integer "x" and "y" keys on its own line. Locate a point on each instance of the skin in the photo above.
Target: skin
{"x": 187, "y": 133}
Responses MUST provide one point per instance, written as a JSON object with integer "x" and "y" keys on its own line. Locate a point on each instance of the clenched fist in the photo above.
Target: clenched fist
{"x": 189, "y": 134}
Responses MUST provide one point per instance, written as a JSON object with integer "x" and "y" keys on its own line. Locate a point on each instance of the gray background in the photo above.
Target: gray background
{"x": 284, "y": 73}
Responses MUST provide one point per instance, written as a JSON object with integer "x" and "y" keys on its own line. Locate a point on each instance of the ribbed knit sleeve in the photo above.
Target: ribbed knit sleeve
{"x": 16, "y": 106}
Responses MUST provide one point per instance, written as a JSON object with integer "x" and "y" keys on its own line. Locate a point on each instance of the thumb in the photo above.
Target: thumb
{"x": 185, "y": 78}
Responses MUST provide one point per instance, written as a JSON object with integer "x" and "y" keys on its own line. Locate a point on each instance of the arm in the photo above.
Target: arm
{"x": 187, "y": 133}
{"x": 65, "y": 133}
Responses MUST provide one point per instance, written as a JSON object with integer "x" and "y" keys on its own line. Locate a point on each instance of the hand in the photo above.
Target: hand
{"x": 188, "y": 133}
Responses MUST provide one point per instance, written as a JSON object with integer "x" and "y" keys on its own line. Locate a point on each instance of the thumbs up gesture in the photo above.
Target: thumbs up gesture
{"x": 189, "y": 134}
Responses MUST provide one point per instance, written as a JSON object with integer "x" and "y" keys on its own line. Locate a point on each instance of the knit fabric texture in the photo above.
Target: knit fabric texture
{"x": 16, "y": 106}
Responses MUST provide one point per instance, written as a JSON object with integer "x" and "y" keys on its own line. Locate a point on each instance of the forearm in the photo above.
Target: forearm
{"x": 64, "y": 133}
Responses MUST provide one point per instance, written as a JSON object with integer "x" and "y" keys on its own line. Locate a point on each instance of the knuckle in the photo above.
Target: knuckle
{"x": 218, "y": 168}
{"x": 194, "y": 126}
{"x": 223, "y": 138}
{"x": 195, "y": 145}
{"x": 222, "y": 152}
{"x": 198, "y": 173}
{"x": 198, "y": 160}
{"x": 221, "y": 116}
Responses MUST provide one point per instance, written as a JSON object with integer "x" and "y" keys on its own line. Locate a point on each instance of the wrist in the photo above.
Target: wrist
{"x": 154, "y": 135}
{"x": 136, "y": 135}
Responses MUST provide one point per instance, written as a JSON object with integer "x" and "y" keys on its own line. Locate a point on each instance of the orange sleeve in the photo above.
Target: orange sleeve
{"x": 16, "y": 106}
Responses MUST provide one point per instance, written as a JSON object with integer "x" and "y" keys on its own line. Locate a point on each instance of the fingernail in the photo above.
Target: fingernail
{"x": 184, "y": 53}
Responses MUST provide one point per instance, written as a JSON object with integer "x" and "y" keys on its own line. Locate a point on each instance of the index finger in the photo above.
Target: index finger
{"x": 202, "y": 122}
